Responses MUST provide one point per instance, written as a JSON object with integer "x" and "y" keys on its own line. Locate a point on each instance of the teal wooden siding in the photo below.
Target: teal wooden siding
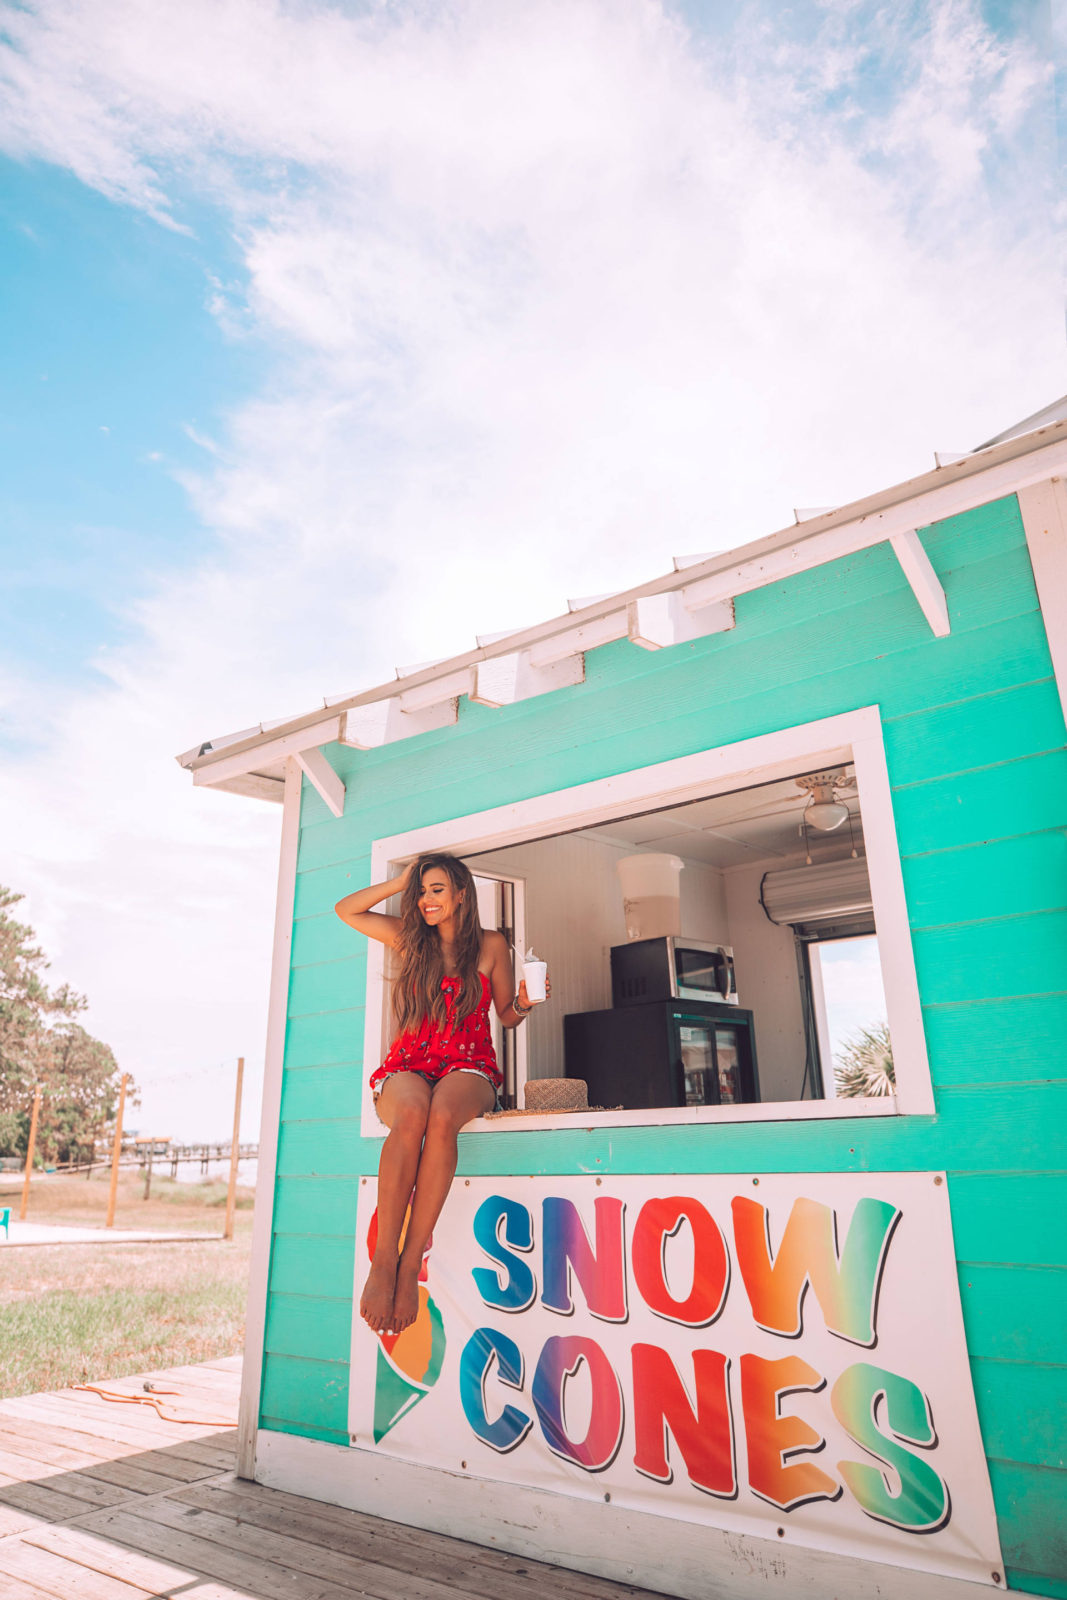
{"x": 974, "y": 741}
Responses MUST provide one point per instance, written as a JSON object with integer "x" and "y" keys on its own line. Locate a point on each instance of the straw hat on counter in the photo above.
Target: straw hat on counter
{"x": 551, "y": 1095}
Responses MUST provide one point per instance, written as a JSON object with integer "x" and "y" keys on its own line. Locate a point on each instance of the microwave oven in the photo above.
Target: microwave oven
{"x": 671, "y": 968}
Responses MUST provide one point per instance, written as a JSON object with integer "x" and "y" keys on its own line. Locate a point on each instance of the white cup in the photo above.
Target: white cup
{"x": 535, "y": 973}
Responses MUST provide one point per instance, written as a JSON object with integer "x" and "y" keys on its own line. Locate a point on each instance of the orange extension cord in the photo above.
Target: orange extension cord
{"x": 150, "y": 1400}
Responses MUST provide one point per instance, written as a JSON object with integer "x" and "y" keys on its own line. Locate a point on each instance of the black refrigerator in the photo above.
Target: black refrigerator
{"x": 665, "y": 1053}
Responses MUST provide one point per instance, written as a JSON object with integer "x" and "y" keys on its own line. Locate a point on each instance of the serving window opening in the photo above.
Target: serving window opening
{"x": 720, "y": 952}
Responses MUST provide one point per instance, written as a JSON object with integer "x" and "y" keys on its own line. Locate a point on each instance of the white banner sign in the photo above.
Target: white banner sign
{"x": 781, "y": 1356}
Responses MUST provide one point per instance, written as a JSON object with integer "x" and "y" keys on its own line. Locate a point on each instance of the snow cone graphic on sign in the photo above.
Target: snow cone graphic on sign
{"x": 408, "y": 1363}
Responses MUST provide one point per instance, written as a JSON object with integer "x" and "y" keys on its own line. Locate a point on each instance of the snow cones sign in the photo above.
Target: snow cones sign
{"x": 780, "y": 1356}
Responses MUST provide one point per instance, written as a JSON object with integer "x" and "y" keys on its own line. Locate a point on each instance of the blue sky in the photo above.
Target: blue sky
{"x": 406, "y": 323}
{"x": 113, "y": 353}
{"x": 110, "y": 354}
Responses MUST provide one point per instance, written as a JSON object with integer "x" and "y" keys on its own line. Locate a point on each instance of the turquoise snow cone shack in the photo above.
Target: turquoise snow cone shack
{"x": 780, "y": 1310}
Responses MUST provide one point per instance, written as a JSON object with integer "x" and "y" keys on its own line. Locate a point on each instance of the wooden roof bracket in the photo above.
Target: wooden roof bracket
{"x": 368, "y": 727}
{"x": 321, "y": 775}
{"x": 504, "y": 680}
{"x": 657, "y": 621}
{"x": 925, "y": 584}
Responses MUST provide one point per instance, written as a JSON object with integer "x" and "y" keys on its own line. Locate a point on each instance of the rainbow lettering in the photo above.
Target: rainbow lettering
{"x": 602, "y": 1275}
{"x": 597, "y": 1264}
{"x": 561, "y": 1360}
{"x": 921, "y": 1503}
{"x": 704, "y": 1433}
{"x": 512, "y": 1425}
{"x": 660, "y": 1220}
{"x": 846, "y": 1287}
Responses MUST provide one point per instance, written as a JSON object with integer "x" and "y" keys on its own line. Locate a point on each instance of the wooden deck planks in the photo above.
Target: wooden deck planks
{"x": 55, "y": 1575}
{"x": 51, "y": 1504}
{"x": 309, "y": 1563}
{"x": 138, "y": 1423}
{"x": 135, "y": 1569}
{"x": 79, "y": 1452}
{"x": 264, "y": 1578}
{"x": 12, "y": 1521}
{"x": 18, "y": 1589}
{"x": 162, "y": 1449}
{"x": 14, "y": 1470}
{"x": 99, "y": 1501}
{"x": 475, "y": 1570}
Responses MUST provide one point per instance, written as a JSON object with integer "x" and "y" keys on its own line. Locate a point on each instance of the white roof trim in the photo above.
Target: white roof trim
{"x": 1037, "y": 419}
{"x": 698, "y": 589}
{"x": 267, "y": 750}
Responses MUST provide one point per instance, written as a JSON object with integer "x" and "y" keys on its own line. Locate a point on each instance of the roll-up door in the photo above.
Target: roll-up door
{"x": 830, "y": 899}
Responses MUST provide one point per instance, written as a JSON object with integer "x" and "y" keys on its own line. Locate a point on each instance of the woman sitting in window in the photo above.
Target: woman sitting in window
{"x": 441, "y": 1069}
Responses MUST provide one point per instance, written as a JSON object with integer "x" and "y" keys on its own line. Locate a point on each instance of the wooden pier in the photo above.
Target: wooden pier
{"x": 205, "y": 1154}
{"x": 107, "y": 1501}
{"x": 160, "y": 1153}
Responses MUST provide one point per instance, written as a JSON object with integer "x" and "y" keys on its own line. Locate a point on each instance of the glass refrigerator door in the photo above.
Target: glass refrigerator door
{"x": 697, "y": 1048}
{"x": 728, "y": 1061}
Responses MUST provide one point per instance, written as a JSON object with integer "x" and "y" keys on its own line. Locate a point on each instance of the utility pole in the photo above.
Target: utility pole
{"x": 116, "y": 1151}
{"x": 235, "y": 1150}
{"x": 29, "y": 1152}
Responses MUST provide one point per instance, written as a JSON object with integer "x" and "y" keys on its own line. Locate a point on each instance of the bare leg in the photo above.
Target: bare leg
{"x": 403, "y": 1106}
{"x": 456, "y": 1099}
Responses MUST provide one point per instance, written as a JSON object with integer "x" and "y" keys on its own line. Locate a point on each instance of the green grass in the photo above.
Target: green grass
{"x": 172, "y": 1207}
{"x": 82, "y": 1202}
{"x": 86, "y": 1313}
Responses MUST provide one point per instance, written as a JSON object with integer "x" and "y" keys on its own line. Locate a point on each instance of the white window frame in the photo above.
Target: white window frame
{"x": 852, "y": 736}
{"x": 821, "y": 1020}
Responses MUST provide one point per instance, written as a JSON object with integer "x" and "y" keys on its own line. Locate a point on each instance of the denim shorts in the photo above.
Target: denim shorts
{"x": 428, "y": 1077}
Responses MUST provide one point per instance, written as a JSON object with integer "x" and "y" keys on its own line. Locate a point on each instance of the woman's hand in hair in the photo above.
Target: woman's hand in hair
{"x": 355, "y": 909}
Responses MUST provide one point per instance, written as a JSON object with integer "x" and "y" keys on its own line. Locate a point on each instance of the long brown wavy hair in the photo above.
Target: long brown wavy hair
{"x": 417, "y": 990}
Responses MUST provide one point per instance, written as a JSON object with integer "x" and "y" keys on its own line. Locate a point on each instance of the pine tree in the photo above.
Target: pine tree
{"x": 41, "y": 1043}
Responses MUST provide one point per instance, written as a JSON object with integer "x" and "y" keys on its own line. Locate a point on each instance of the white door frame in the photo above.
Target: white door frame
{"x": 518, "y": 889}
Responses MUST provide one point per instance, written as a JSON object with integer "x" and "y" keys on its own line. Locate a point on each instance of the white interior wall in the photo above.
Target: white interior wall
{"x": 767, "y": 985}
{"x": 704, "y": 909}
{"x": 573, "y": 917}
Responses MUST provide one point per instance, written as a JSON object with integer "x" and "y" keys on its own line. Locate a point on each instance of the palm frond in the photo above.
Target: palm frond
{"x": 864, "y": 1068}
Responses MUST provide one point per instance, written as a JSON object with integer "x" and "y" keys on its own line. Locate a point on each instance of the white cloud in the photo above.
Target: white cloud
{"x": 555, "y": 291}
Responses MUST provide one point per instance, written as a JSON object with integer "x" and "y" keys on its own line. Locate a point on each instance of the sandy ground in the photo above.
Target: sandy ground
{"x": 27, "y": 1233}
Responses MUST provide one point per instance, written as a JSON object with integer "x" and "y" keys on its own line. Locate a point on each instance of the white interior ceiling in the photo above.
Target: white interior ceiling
{"x": 738, "y": 829}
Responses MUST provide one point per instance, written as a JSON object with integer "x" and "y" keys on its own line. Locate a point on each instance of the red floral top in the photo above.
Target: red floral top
{"x": 437, "y": 1051}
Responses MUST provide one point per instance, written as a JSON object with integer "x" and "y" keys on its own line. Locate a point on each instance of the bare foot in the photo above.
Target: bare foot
{"x": 406, "y": 1296}
{"x": 376, "y": 1304}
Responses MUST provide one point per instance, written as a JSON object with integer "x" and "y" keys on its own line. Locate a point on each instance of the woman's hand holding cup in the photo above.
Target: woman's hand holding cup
{"x": 535, "y": 986}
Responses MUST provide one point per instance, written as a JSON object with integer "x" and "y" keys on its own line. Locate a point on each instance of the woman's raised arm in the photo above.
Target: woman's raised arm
{"x": 355, "y": 909}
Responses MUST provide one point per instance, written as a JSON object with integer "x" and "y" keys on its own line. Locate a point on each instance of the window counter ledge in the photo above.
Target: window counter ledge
{"x": 681, "y": 1116}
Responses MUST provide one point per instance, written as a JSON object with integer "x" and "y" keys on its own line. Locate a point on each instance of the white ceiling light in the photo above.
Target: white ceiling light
{"x": 824, "y": 811}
